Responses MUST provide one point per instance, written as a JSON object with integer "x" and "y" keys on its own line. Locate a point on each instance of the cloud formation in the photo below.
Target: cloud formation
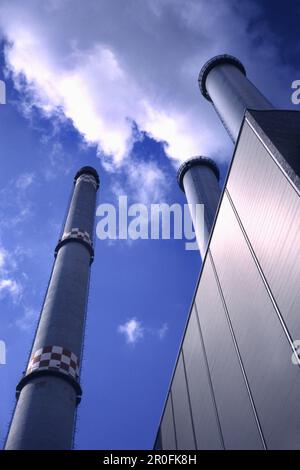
{"x": 106, "y": 64}
{"x": 9, "y": 285}
{"x": 15, "y": 210}
{"x": 132, "y": 330}
{"x": 24, "y": 181}
{"x": 161, "y": 332}
{"x": 14, "y": 286}
{"x": 15, "y": 205}
{"x": 28, "y": 318}
{"x": 145, "y": 181}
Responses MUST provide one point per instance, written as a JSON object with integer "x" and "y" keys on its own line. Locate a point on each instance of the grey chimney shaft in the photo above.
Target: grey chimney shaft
{"x": 223, "y": 81}
{"x": 199, "y": 179}
{"x": 49, "y": 391}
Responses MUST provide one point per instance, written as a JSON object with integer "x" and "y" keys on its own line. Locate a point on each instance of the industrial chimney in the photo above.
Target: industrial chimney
{"x": 49, "y": 391}
{"x": 223, "y": 81}
{"x": 199, "y": 179}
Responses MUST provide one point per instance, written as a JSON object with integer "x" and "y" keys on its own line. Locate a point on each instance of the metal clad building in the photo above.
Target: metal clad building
{"x": 235, "y": 385}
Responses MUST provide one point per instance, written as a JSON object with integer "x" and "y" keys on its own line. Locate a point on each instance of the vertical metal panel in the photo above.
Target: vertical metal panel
{"x": 269, "y": 208}
{"x": 167, "y": 430}
{"x": 266, "y": 353}
{"x": 234, "y": 407}
{"x": 182, "y": 413}
{"x": 202, "y": 404}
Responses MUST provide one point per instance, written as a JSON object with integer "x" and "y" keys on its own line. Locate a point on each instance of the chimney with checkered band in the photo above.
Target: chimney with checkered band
{"x": 49, "y": 391}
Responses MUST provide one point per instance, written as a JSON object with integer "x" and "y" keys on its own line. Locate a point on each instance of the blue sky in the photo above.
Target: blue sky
{"x": 114, "y": 85}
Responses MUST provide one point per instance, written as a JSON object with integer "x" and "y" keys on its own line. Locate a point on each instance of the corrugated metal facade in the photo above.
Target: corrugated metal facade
{"x": 235, "y": 385}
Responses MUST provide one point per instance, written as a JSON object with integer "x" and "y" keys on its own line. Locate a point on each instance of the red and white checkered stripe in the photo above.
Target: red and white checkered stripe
{"x": 79, "y": 234}
{"x": 54, "y": 358}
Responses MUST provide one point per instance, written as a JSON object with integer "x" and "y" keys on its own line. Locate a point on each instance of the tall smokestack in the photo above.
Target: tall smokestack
{"x": 49, "y": 391}
{"x": 199, "y": 179}
{"x": 223, "y": 81}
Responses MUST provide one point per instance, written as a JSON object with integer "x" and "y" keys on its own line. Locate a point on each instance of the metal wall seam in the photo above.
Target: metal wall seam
{"x": 173, "y": 419}
{"x": 189, "y": 398}
{"x": 265, "y": 282}
{"x": 236, "y": 347}
{"x": 209, "y": 378}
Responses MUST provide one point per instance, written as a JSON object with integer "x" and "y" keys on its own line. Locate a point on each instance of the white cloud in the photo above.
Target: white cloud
{"x": 161, "y": 332}
{"x": 7, "y": 262}
{"x": 12, "y": 287}
{"x": 132, "y": 330}
{"x": 144, "y": 181}
{"x": 13, "y": 283}
{"x": 104, "y": 64}
{"x": 147, "y": 181}
{"x": 23, "y": 214}
{"x": 15, "y": 205}
{"x": 25, "y": 180}
{"x": 3, "y": 255}
{"x": 27, "y": 320}
{"x": 58, "y": 161}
